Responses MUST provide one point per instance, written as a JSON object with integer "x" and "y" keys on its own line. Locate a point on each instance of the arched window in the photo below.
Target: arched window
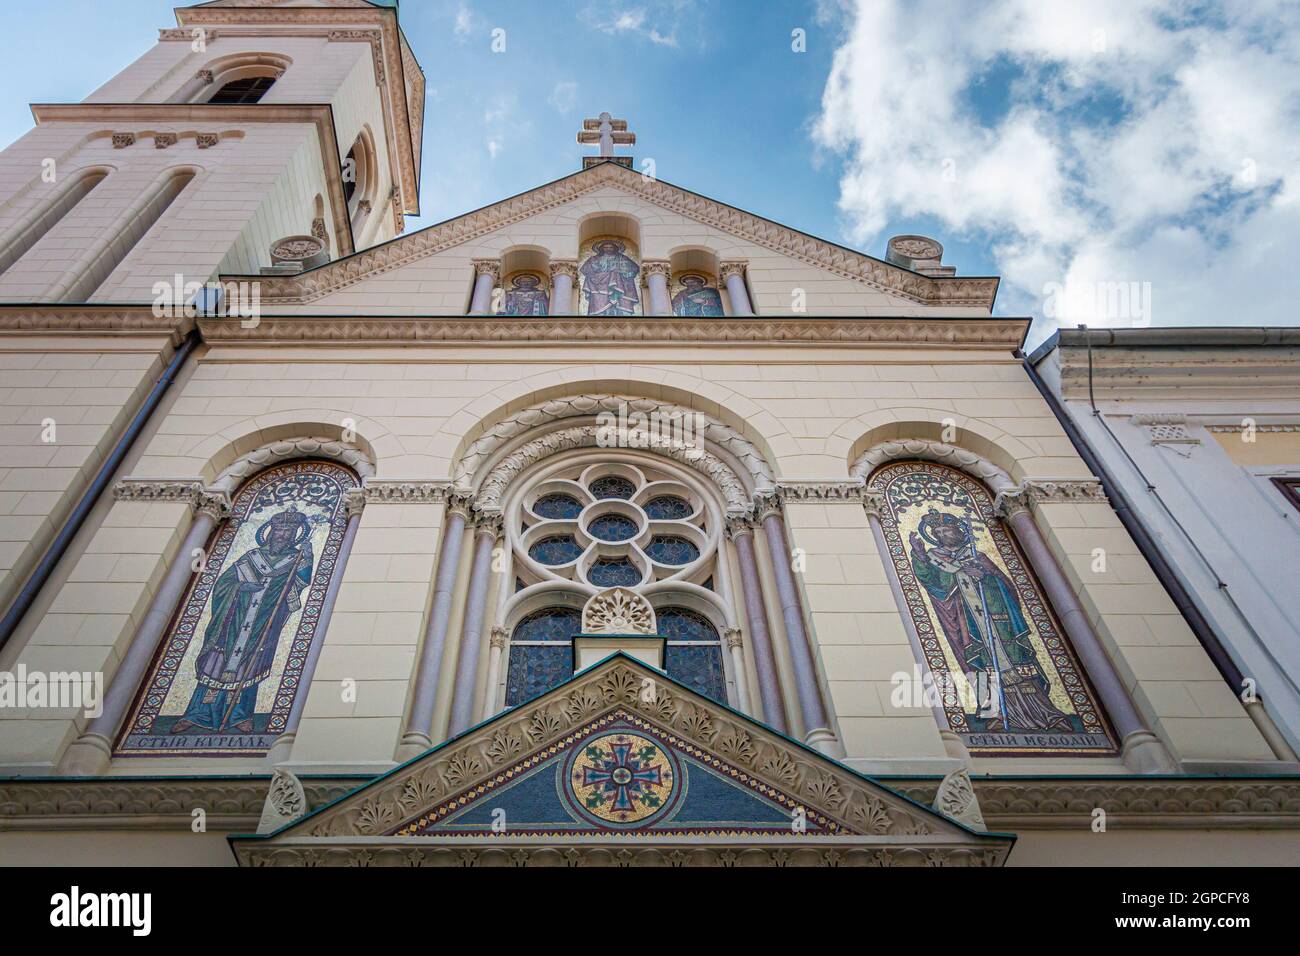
{"x": 1003, "y": 671}
{"x": 248, "y": 89}
{"x": 359, "y": 178}
{"x": 232, "y": 664}
{"x": 114, "y": 246}
{"x": 48, "y": 214}
{"x": 577, "y": 529}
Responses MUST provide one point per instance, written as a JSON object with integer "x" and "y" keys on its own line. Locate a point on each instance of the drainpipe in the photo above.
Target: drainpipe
{"x": 54, "y": 553}
{"x": 1164, "y": 572}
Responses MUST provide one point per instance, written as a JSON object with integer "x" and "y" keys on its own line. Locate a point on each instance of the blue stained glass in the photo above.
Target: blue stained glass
{"x": 670, "y": 549}
{"x": 551, "y": 624}
{"x": 668, "y": 508}
{"x": 557, "y": 506}
{"x": 613, "y": 572}
{"x": 682, "y": 624}
{"x": 612, "y": 486}
{"x": 612, "y": 528}
{"x": 699, "y": 667}
{"x": 557, "y": 549}
{"x": 536, "y": 669}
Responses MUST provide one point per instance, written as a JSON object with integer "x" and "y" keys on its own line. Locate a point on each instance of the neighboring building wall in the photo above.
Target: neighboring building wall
{"x": 1208, "y": 442}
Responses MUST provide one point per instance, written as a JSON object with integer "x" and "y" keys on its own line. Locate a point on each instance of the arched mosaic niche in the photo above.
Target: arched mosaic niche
{"x": 586, "y": 522}
{"x": 231, "y": 665}
{"x": 609, "y": 276}
{"x": 1000, "y": 667}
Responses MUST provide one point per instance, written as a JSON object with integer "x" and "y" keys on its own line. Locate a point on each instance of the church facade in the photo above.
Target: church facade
{"x": 607, "y": 524}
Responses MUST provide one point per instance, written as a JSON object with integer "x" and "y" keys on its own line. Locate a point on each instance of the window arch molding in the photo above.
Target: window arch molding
{"x": 954, "y": 456}
{"x": 239, "y": 66}
{"x": 265, "y": 456}
{"x": 54, "y": 209}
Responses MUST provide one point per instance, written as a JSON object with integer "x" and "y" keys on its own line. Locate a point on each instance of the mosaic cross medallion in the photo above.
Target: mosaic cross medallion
{"x": 622, "y": 779}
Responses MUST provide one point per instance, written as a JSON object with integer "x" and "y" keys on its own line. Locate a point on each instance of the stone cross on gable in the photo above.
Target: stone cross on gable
{"x": 605, "y": 131}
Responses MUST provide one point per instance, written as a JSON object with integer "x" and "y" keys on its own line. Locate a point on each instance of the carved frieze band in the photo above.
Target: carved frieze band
{"x": 193, "y": 493}
{"x": 387, "y": 491}
{"x": 849, "y": 492}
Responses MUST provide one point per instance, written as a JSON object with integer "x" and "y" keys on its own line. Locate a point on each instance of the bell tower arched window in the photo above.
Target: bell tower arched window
{"x": 249, "y": 89}
{"x": 1000, "y": 666}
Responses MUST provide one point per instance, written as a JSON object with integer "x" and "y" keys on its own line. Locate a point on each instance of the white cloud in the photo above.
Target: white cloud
{"x": 1112, "y": 141}
{"x": 464, "y": 24}
{"x": 617, "y": 18}
{"x": 564, "y": 96}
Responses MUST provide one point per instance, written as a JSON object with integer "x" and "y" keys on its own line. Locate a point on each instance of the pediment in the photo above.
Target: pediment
{"x": 622, "y": 765}
{"x": 609, "y": 180}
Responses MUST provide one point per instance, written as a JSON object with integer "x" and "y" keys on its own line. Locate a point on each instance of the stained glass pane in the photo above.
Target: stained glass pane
{"x": 613, "y": 572}
{"x": 535, "y": 669}
{"x": 552, "y": 624}
{"x": 612, "y": 528}
{"x": 557, "y": 506}
{"x": 557, "y": 549}
{"x": 670, "y": 549}
{"x": 1009, "y": 681}
{"x": 699, "y": 668}
{"x": 612, "y": 486}
{"x": 681, "y": 624}
{"x": 668, "y": 508}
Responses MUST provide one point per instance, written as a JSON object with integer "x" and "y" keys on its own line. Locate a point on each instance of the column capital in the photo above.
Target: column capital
{"x": 766, "y": 505}
{"x": 488, "y": 523}
{"x": 731, "y": 636}
{"x": 488, "y": 267}
{"x": 214, "y": 504}
{"x": 204, "y": 75}
{"x": 740, "y": 523}
{"x": 1008, "y": 504}
{"x": 461, "y": 506}
{"x": 500, "y": 637}
{"x": 874, "y": 503}
{"x": 656, "y": 267}
{"x": 732, "y": 268}
{"x": 564, "y": 267}
{"x": 354, "y": 501}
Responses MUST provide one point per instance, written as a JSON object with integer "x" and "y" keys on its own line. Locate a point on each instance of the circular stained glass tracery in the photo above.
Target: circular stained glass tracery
{"x": 672, "y": 549}
{"x": 612, "y": 486}
{"x": 668, "y": 508}
{"x": 613, "y": 573}
{"x": 557, "y": 549}
{"x": 557, "y": 506}
{"x": 612, "y": 527}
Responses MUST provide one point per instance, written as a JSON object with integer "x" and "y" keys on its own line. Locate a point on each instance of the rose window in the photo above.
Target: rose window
{"x": 579, "y": 529}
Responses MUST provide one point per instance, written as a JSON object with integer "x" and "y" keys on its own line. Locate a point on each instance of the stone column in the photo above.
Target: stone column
{"x": 1142, "y": 750}
{"x": 496, "y": 650}
{"x": 656, "y": 272}
{"x": 487, "y": 528}
{"x": 733, "y": 275}
{"x": 419, "y": 723}
{"x": 487, "y": 272}
{"x": 741, "y": 530}
{"x": 735, "y": 644}
{"x": 354, "y": 502}
{"x": 91, "y": 753}
{"x": 816, "y": 725}
{"x": 564, "y": 274}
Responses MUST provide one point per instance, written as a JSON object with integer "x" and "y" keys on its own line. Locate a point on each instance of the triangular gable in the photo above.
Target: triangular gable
{"x": 623, "y": 760}
{"x": 877, "y": 274}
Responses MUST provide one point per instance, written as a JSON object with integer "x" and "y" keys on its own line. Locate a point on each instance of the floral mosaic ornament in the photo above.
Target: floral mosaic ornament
{"x": 622, "y": 779}
{"x": 1002, "y": 669}
{"x": 228, "y": 672}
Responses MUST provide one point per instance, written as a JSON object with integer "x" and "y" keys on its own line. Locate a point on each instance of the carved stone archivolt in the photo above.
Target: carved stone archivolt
{"x": 274, "y": 452}
{"x": 628, "y": 408}
{"x": 618, "y": 611}
{"x": 951, "y": 455}
{"x": 588, "y": 436}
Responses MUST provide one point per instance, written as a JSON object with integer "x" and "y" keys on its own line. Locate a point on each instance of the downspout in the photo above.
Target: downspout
{"x": 54, "y": 553}
{"x": 1164, "y": 572}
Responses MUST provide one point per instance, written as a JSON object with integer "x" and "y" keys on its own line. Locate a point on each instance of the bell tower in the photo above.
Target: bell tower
{"x": 254, "y": 135}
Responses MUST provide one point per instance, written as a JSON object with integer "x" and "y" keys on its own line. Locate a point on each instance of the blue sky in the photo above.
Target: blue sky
{"x": 1066, "y": 146}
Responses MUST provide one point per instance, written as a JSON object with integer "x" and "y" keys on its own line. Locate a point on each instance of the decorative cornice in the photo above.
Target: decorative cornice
{"x": 1008, "y": 803}
{"x": 954, "y": 333}
{"x": 391, "y": 491}
{"x": 139, "y": 320}
{"x": 850, "y": 492}
{"x": 147, "y": 489}
{"x": 1237, "y": 429}
{"x": 967, "y": 292}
